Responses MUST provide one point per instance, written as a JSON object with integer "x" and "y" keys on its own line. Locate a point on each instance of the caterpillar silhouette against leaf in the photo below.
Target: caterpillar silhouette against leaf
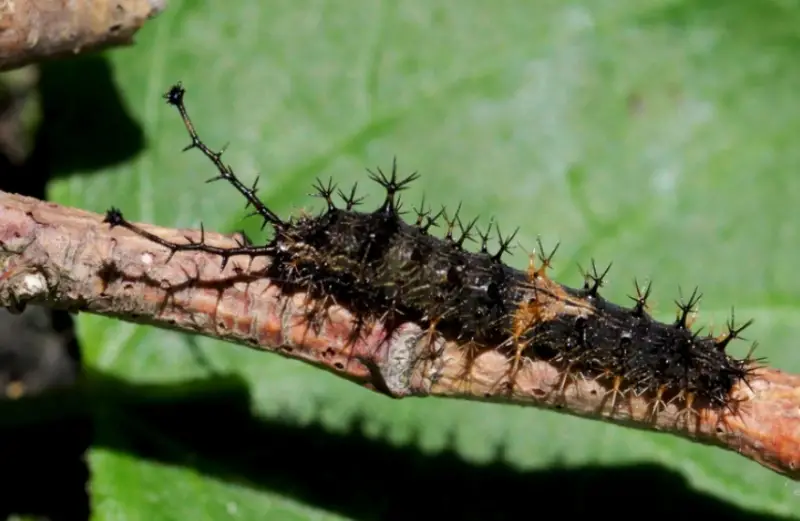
{"x": 383, "y": 268}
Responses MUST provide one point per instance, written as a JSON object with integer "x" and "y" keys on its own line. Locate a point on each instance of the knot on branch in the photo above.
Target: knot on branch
{"x": 24, "y": 285}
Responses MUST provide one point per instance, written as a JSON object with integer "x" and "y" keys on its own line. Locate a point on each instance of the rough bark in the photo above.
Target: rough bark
{"x": 69, "y": 259}
{"x": 34, "y": 30}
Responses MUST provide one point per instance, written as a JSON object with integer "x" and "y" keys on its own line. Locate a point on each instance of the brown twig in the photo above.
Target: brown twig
{"x": 33, "y": 30}
{"x": 67, "y": 258}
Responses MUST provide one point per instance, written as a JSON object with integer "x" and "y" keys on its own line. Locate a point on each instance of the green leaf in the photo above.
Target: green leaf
{"x": 656, "y": 134}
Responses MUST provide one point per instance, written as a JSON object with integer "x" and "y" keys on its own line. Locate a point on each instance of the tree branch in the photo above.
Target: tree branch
{"x": 69, "y": 259}
{"x": 33, "y": 30}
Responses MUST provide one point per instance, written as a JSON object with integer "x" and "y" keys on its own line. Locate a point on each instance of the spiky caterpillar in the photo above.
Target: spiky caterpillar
{"x": 383, "y": 268}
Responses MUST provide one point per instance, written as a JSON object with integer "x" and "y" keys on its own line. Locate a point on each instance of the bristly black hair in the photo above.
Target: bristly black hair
{"x": 383, "y": 268}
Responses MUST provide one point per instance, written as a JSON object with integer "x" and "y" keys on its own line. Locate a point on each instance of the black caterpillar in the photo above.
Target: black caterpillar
{"x": 383, "y": 268}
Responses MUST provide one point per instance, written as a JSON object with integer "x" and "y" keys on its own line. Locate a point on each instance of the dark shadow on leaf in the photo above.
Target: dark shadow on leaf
{"x": 85, "y": 124}
{"x": 364, "y": 478}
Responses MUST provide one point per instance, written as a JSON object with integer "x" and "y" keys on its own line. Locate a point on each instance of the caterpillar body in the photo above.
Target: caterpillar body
{"x": 384, "y": 268}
